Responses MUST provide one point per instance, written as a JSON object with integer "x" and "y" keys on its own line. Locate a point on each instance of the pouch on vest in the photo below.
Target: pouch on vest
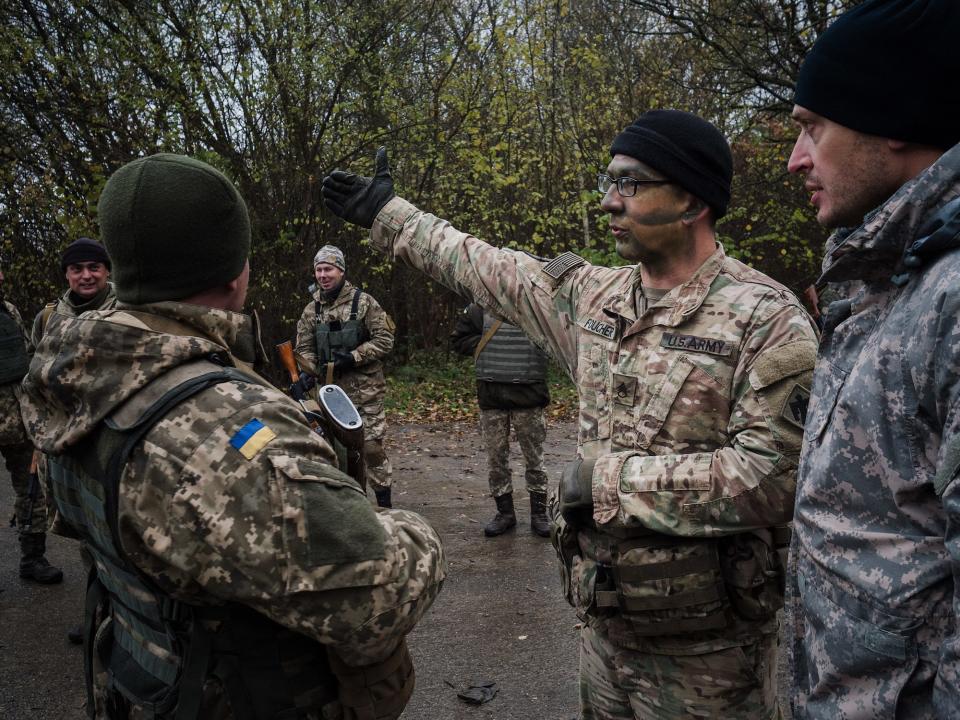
{"x": 670, "y": 586}
{"x": 564, "y": 541}
{"x": 336, "y": 335}
{"x": 753, "y": 572}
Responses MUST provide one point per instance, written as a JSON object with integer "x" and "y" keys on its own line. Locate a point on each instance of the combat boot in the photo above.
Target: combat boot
{"x": 538, "y": 514}
{"x": 33, "y": 564}
{"x": 505, "y": 518}
{"x": 383, "y": 497}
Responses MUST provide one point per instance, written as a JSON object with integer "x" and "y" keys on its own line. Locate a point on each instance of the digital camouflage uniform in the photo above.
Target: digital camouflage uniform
{"x": 30, "y": 515}
{"x": 364, "y": 383}
{"x": 876, "y": 551}
{"x": 66, "y": 305}
{"x": 517, "y": 402}
{"x": 270, "y": 525}
{"x": 693, "y": 413}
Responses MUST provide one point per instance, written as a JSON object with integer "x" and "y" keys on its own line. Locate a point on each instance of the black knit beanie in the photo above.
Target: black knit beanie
{"x": 83, "y": 250}
{"x": 888, "y": 68}
{"x": 173, "y": 226}
{"x": 687, "y": 149}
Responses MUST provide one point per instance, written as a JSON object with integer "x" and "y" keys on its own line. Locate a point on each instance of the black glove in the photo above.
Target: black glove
{"x": 358, "y": 199}
{"x": 299, "y": 389}
{"x": 576, "y": 492}
{"x": 343, "y": 360}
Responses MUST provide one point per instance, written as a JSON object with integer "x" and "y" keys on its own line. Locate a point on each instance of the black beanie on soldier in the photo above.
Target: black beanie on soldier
{"x": 685, "y": 148}
{"x": 887, "y": 68}
{"x": 83, "y": 250}
{"x": 174, "y": 226}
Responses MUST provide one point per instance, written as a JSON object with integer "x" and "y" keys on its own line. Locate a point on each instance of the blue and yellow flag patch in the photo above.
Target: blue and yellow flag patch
{"x": 251, "y": 438}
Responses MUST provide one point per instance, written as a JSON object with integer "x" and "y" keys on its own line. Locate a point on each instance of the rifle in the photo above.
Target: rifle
{"x": 338, "y": 419}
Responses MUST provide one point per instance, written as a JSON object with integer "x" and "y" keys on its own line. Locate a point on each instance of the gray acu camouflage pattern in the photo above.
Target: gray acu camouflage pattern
{"x": 364, "y": 384}
{"x": 691, "y": 438}
{"x": 873, "y": 594}
{"x": 16, "y": 449}
{"x": 209, "y": 525}
{"x": 530, "y": 428}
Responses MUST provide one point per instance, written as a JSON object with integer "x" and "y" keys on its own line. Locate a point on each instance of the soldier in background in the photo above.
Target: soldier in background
{"x": 345, "y": 334}
{"x": 692, "y": 371}
{"x": 30, "y": 511}
{"x": 86, "y": 267}
{"x": 238, "y": 572}
{"x": 873, "y": 591}
{"x": 512, "y": 392}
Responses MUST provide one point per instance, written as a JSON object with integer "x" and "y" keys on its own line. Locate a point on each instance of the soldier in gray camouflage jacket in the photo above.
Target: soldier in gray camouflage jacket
{"x": 693, "y": 373}
{"x": 874, "y": 593}
{"x": 238, "y": 573}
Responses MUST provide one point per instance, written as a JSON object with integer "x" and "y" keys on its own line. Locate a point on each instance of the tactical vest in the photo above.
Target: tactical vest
{"x": 345, "y": 336}
{"x": 668, "y": 585}
{"x": 159, "y": 652}
{"x": 14, "y": 361}
{"x": 509, "y": 357}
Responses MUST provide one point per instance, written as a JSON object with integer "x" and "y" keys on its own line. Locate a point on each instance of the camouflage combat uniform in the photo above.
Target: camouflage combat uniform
{"x": 516, "y": 402}
{"x": 364, "y": 383}
{"x": 873, "y": 600}
{"x": 65, "y": 305}
{"x": 30, "y": 515}
{"x": 212, "y": 514}
{"x": 693, "y": 413}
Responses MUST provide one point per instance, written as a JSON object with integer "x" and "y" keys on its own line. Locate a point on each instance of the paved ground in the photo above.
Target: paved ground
{"x": 500, "y": 616}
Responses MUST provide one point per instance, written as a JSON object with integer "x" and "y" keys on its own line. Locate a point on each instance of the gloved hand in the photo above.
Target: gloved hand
{"x": 343, "y": 361}
{"x": 358, "y": 199}
{"x": 299, "y": 389}
{"x": 576, "y": 492}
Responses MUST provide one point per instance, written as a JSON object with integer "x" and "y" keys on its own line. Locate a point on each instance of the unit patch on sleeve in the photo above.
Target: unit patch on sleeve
{"x": 795, "y": 408}
{"x": 252, "y": 438}
{"x": 712, "y": 346}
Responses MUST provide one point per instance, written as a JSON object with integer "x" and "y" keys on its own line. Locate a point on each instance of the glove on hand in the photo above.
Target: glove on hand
{"x": 343, "y": 360}
{"x": 299, "y": 389}
{"x": 358, "y": 199}
{"x": 576, "y": 492}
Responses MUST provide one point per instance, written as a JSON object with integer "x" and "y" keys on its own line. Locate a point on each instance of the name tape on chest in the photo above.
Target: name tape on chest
{"x": 694, "y": 343}
{"x": 599, "y": 327}
{"x": 252, "y": 438}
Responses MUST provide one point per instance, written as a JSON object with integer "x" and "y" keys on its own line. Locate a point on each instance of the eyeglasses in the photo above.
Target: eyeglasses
{"x": 626, "y": 186}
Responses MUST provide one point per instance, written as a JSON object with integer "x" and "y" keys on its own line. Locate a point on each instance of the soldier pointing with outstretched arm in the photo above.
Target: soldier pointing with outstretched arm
{"x": 693, "y": 372}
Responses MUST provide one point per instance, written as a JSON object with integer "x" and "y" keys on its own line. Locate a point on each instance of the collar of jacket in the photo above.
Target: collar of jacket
{"x": 875, "y": 249}
{"x": 345, "y": 296}
{"x": 94, "y": 303}
{"x": 681, "y": 302}
{"x": 232, "y": 331}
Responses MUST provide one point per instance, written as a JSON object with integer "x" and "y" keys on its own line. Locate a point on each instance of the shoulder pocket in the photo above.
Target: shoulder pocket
{"x": 326, "y": 520}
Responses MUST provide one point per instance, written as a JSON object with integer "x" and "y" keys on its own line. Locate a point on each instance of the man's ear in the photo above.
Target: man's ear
{"x": 693, "y": 213}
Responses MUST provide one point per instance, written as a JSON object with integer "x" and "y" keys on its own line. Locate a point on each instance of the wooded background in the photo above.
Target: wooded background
{"x": 497, "y": 114}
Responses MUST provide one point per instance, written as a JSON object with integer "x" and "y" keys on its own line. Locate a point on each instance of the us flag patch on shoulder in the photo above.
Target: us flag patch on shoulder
{"x": 562, "y": 264}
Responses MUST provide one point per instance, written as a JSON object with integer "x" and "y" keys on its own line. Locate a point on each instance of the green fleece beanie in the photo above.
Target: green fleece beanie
{"x": 173, "y": 227}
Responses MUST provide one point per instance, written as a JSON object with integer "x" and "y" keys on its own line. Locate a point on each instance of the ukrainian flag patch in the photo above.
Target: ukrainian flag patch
{"x": 251, "y": 438}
